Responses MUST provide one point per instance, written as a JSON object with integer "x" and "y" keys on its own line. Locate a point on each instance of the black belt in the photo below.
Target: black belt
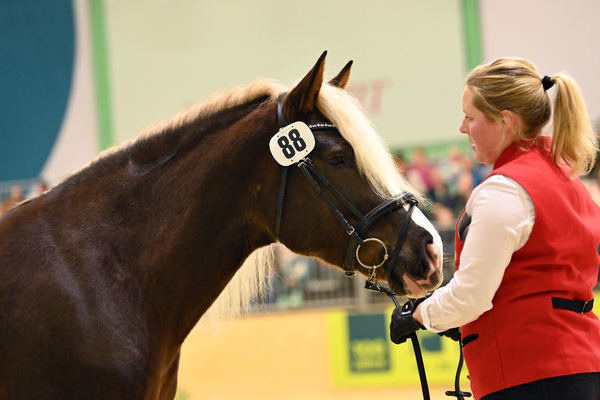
{"x": 577, "y": 306}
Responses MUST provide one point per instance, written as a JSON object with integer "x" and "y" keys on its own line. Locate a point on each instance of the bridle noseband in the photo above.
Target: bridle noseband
{"x": 357, "y": 233}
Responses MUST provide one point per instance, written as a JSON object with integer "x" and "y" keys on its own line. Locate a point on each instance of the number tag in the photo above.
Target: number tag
{"x": 292, "y": 143}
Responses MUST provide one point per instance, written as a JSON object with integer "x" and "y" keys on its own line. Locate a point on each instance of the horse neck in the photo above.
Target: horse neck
{"x": 185, "y": 225}
{"x": 215, "y": 217}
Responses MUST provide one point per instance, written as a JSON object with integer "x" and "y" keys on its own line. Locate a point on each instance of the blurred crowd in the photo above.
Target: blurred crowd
{"x": 447, "y": 182}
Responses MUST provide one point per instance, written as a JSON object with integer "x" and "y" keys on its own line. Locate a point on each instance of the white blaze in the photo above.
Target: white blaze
{"x": 420, "y": 219}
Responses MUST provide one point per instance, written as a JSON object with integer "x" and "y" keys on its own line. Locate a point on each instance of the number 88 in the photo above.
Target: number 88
{"x": 298, "y": 143}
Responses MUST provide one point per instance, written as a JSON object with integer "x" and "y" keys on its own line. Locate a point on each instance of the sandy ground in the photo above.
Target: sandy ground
{"x": 268, "y": 358}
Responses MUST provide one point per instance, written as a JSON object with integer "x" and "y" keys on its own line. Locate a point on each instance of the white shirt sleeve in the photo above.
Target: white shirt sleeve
{"x": 502, "y": 216}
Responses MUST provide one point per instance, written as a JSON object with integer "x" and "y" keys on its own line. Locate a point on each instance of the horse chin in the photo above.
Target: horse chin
{"x": 397, "y": 288}
{"x": 396, "y": 283}
{"x": 414, "y": 289}
{"x": 406, "y": 286}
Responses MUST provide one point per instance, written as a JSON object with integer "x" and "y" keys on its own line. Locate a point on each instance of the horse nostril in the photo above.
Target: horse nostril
{"x": 431, "y": 267}
{"x": 432, "y": 254}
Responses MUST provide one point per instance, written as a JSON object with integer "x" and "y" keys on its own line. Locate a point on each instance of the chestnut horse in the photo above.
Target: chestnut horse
{"x": 103, "y": 277}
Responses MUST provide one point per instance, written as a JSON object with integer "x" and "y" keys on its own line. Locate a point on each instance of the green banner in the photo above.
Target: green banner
{"x": 368, "y": 348}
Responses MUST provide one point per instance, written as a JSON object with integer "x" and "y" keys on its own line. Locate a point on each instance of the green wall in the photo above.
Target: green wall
{"x": 160, "y": 56}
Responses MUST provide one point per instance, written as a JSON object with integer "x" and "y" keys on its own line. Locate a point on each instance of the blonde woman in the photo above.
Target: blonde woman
{"x": 526, "y": 243}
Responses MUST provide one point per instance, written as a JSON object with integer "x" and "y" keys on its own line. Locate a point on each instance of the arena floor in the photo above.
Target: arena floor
{"x": 273, "y": 357}
{"x": 199, "y": 393}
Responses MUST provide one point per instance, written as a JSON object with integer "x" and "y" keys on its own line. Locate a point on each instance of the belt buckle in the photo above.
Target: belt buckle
{"x": 584, "y": 306}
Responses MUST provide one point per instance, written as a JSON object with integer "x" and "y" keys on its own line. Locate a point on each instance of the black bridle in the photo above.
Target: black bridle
{"x": 356, "y": 233}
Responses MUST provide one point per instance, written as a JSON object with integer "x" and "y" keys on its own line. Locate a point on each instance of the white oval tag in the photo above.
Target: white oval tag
{"x": 292, "y": 143}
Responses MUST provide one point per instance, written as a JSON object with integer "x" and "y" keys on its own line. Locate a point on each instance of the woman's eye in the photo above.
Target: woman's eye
{"x": 337, "y": 160}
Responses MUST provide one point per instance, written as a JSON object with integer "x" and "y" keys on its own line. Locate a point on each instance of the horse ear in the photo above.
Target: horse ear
{"x": 302, "y": 99}
{"x": 341, "y": 79}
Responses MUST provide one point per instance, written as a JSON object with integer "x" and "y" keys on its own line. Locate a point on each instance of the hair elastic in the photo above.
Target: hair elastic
{"x": 547, "y": 82}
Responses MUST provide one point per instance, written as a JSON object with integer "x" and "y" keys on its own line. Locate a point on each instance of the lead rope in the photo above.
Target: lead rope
{"x": 420, "y": 365}
{"x": 370, "y": 284}
{"x": 459, "y": 394}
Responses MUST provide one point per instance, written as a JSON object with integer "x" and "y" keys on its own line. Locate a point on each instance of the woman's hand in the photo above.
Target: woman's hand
{"x": 403, "y": 321}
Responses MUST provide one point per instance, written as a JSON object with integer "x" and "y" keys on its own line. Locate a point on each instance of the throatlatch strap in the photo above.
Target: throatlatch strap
{"x": 577, "y": 306}
{"x": 282, "y": 185}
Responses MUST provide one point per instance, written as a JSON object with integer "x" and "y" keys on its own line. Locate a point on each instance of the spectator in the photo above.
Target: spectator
{"x": 419, "y": 172}
{"x": 440, "y": 192}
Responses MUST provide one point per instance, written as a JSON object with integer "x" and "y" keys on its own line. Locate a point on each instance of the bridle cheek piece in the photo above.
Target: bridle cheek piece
{"x": 357, "y": 233}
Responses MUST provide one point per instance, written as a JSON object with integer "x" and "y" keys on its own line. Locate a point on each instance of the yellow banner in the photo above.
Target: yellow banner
{"x": 362, "y": 354}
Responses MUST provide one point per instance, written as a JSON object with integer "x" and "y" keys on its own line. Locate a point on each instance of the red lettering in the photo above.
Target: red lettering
{"x": 370, "y": 93}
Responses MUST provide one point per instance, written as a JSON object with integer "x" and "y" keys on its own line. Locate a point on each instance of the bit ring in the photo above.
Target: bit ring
{"x": 385, "y": 255}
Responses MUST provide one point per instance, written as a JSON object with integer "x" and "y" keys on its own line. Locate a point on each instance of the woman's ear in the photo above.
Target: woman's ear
{"x": 511, "y": 122}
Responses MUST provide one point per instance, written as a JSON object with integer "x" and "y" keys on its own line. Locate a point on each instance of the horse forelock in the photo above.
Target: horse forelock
{"x": 373, "y": 158}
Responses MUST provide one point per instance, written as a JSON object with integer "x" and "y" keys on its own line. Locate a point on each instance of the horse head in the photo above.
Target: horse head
{"x": 351, "y": 175}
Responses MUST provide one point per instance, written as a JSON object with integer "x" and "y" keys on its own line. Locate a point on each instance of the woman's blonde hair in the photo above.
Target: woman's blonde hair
{"x": 515, "y": 84}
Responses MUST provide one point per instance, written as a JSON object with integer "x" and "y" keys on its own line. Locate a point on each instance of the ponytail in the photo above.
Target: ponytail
{"x": 573, "y": 141}
{"x": 515, "y": 84}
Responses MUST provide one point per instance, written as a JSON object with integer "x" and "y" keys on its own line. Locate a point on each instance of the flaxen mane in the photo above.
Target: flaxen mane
{"x": 372, "y": 157}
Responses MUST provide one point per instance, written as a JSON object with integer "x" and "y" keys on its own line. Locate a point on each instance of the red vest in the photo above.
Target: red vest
{"x": 523, "y": 338}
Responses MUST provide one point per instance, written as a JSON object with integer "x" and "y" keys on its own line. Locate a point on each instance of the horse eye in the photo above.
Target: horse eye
{"x": 337, "y": 160}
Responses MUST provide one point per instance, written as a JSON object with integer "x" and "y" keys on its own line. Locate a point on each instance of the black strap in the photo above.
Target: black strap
{"x": 318, "y": 179}
{"x": 381, "y": 210}
{"x": 420, "y": 365}
{"x": 459, "y": 394}
{"x": 304, "y": 167}
{"x": 577, "y": 306}
{"x": 322, "y": 184}
{"x": 282, "y": 184}
{"x": 372, "y": 285}
{"x": 403, "y": 233}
